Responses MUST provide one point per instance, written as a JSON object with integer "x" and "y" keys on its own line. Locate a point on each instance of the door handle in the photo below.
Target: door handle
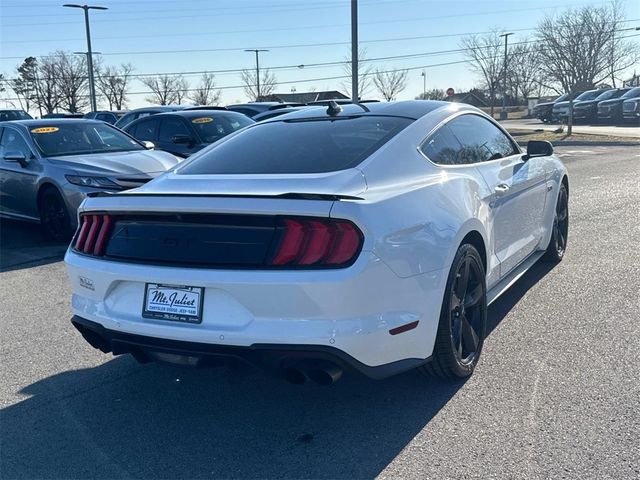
{"x": 501, "y": 188}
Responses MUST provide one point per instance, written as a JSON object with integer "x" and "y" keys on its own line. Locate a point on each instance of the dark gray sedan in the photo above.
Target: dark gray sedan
{"x": 47, "y": 167}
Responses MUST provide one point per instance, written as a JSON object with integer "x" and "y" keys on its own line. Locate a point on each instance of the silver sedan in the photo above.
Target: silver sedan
{"x": 47, "y": 167}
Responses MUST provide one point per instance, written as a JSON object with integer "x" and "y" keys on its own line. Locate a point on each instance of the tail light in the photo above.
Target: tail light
{"x": 316, "y": 242}
{"x": 93, "y": 234}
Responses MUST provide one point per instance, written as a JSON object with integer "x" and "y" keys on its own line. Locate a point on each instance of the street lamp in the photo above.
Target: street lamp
{"x": 86, "y": 8}
{"x": 424, "y": 85}
{"x": 257, "y": 52}
{"x": 503, "y": 113}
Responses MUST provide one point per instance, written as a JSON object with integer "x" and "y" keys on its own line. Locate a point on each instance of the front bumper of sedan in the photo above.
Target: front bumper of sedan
{"x": 346, "y": 315}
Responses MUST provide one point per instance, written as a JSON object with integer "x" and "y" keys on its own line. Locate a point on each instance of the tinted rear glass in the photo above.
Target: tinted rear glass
{"x": 298, "y": 146}
{"x": 14, "y": 115}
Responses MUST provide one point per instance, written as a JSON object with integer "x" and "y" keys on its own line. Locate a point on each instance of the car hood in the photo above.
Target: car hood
{"x": 562, "y": 104}
{"x": 349, "y": 183}
{"x": 150, "y": 162}
{"x": 545, "y": 104}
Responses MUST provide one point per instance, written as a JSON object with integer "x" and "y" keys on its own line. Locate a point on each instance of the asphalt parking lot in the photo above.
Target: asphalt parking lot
{"x": 556, "y": 394}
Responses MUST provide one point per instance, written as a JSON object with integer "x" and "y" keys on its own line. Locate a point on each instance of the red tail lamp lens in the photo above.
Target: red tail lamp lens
{"x": 93, "y": 235}
{"x": 317, "y": 242}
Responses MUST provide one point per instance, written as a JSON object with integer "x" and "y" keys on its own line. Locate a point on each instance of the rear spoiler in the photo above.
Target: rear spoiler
{"x": 290, "y": 195}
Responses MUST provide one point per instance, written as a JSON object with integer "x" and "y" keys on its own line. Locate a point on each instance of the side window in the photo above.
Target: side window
{"x": 146, "y": 130}
{"x": 172, "y": 126}
{"x": 442, "y": 147}
{"x": 12, "y": 141}
{"x": 480, "y": 139}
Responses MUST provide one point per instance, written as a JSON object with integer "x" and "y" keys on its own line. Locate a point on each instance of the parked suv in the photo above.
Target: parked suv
{"x": 185, "y": 132}
{"x": 544, "y": 111}
{"x": 561, "y": 109}
{"x": 610, "y": 111}
{"x": 587, "y": 110}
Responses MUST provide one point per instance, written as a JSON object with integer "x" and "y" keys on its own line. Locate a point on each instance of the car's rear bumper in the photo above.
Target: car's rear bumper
{"x": 273, "y": 357}
{"x": 351, "y": 310}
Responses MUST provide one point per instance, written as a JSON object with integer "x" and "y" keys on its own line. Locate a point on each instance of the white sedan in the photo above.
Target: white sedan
{"x": 361, "y": 237}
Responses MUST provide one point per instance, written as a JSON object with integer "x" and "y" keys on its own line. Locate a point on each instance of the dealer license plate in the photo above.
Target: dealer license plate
{"x": 179, "y": 303}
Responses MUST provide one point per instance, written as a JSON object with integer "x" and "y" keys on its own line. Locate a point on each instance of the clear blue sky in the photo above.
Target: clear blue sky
{"x": 226, "y": 27}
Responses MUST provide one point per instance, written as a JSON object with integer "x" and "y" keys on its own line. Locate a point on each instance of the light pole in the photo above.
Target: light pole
{"x": 424, "y": 85}
{"x": 92, "y": 88}
{"x": 503, "y": 113}
{"x": 257, "y": 52}
{"x": 355, "y": 95}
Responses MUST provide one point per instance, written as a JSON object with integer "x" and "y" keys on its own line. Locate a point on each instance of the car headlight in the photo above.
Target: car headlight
{"x": 96, "y": 182}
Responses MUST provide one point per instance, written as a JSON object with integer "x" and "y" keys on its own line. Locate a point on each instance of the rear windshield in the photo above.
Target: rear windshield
{"x": 78, "y": 138}
{"x": 298, "y": 146}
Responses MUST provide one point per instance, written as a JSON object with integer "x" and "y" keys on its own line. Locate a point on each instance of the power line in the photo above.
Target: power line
{"x": 201, "y": 15}
{"x": 339, "y": 77}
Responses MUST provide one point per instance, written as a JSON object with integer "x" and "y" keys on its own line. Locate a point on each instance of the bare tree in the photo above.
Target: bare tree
{"x": 267, "y": 84}
{"x": 433, "y": 94}
{"x": 206, "y": 93}
{"x": 48, "y": 98}
{"x": 365, "y": 74}
{"x": 523, "y": 69}
{"x": 182, "y": 89}
{"x": 71, "y": 81}
{"x": 113, "y": 84}
{"x": 581, "y": 48}
{"x": 163, "y": 89}
{"x": 390, "y": 83}
{"x": 486, "y": 56}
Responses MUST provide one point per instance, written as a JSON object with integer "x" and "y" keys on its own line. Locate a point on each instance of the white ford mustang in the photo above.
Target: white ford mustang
{"x": 363, "y": 237}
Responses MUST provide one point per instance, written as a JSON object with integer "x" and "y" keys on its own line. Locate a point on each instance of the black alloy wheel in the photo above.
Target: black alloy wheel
{"x": 560, "y": 230}
{"x": 54, "y": 216}
{"x": 463, "y": 318}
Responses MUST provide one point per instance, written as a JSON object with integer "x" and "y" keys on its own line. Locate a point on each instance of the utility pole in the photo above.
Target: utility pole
{"x": 92, "y": 87}
{"x": 257, "y": 52}
{"x": 503, "y": 113}
{"x": 355, "y": 97}
{"x": 424, "y": 85}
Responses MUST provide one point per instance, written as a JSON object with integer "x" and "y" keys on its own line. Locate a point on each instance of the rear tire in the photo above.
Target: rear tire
{"x": 560, "y": 229}
{"x": 54, "y": 217}
{"x": 463, "y": 318}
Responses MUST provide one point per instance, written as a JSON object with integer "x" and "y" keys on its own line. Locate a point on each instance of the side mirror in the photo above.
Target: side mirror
{"x": 149, "y": 145}
{"x": 182, "y": 139}
{"x": 538, "y": 148}
{"x": 16, "y": 156}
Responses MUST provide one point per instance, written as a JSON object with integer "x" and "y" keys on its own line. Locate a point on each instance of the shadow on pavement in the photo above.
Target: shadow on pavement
{"x": 22, "y": 246}
{"x": 122, "y": 419}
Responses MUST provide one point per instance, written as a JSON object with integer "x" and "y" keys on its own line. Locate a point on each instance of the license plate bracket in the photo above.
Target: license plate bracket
{"x": 176, "y": 303}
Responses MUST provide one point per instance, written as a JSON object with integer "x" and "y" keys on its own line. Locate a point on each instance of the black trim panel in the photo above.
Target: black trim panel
{"x": 272, "y": 356}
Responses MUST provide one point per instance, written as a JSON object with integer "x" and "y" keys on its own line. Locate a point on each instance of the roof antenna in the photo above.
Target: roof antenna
{"x": 333, "y": 109}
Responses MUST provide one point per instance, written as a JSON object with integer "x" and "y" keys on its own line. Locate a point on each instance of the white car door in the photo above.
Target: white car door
{"x": 518, "y": 188}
